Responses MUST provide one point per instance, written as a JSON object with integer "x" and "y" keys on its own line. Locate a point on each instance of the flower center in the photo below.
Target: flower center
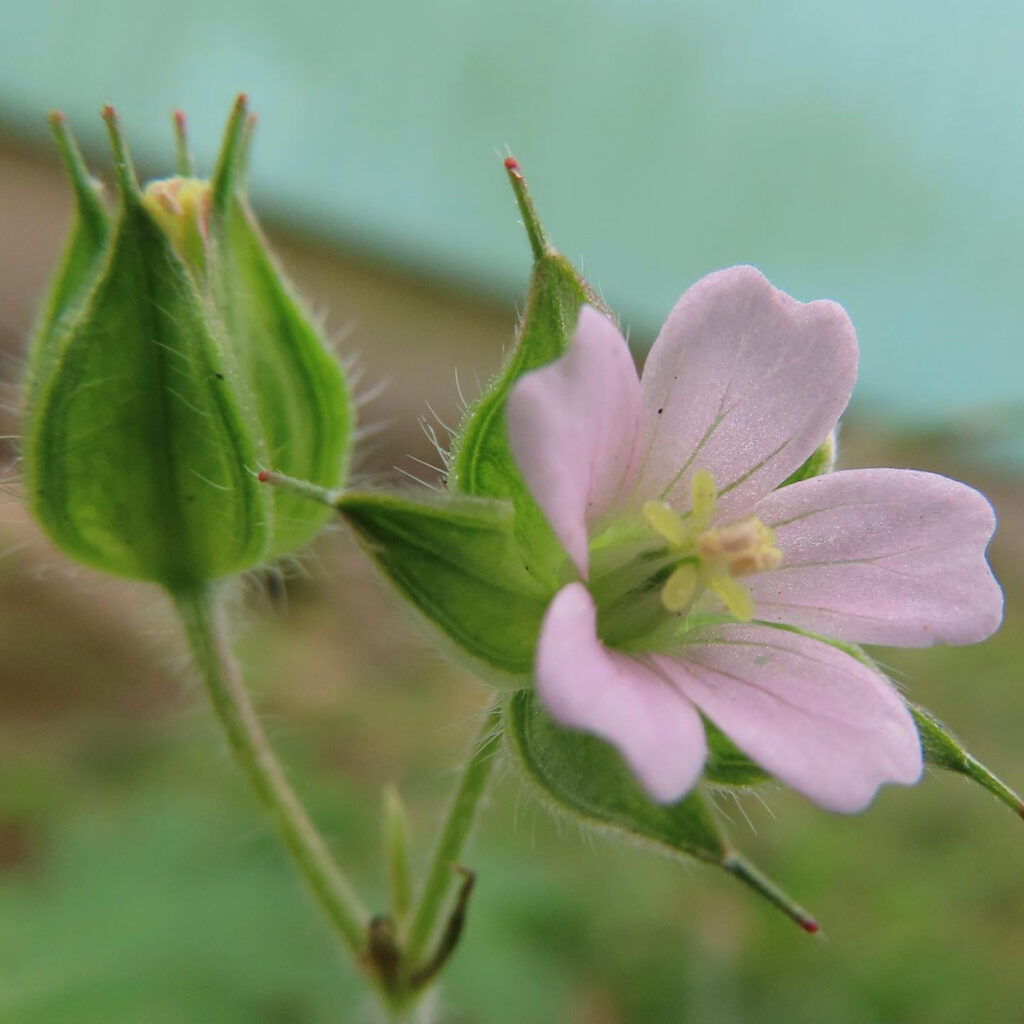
{"x": 708, "y": 557}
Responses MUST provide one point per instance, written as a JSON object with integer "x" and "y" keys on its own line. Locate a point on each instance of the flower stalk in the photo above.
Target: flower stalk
{"x": 461, "y": 814}
{"x": 203, "y": 621}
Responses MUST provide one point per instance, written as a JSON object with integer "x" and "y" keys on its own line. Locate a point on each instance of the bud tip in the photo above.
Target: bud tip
{"x": 513, "y": 168}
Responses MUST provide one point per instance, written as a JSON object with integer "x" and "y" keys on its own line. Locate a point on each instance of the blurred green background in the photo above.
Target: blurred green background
{"x": 868, "y": 153}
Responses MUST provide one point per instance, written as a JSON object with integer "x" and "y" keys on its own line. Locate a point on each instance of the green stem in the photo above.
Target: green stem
{"x": 453, "y": 837}
{"x": 203, "y": 622}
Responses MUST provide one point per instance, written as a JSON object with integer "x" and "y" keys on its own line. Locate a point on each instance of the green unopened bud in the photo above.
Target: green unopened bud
{"x": 172, "y": 363}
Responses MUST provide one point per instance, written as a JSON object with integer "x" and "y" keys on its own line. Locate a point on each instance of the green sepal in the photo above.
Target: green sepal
{"x": 822, "y": 460}
{"x": 726, "y": 765}
{"x": 584, "y": 779}
{"x": 943, "y": 750}
{"x": 82, "y": 258}
{"x": 136, "y": 454}
{"x": 482, "y": 464}
{"x": 300, "y": 394}
{"x": 457, "y": 561}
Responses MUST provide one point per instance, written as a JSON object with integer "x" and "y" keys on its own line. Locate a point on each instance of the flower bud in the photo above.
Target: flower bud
{"x": 170, "y": 363}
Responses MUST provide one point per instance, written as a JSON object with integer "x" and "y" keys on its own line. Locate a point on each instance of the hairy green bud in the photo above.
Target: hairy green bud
{"x": 171, "y": 362}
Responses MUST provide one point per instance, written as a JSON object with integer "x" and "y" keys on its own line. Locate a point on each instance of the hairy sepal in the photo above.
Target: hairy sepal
{"x": 300, "y": 394}
{"x": 585, "y": 780}
{"x": 457, "y": 561}
{"x": 482, "y": 463}
{"x": 135, "y": 452}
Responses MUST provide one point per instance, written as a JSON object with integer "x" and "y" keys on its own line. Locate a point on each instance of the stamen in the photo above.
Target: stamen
{"x": 704, "y": 495}
{"x": 665, "y": 521}
{"x": 710, "y": 557}
{"x": 737, "y": 598}
{"x": 680, "y": 587}
{"x": 741, "y": 548}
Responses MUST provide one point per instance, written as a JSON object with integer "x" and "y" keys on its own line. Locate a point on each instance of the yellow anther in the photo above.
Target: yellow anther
{"x": 711, "y": 557}
{"x": 680, "y": 587}
{"x": 737, "y": 598}
{"x": 665, "y": 521}
{"x": 740, "y": 548}
{"x": 704, "y": 495}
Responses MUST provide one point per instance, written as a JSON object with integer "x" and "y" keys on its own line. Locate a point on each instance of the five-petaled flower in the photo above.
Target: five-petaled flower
{"x": 703, "y": 585}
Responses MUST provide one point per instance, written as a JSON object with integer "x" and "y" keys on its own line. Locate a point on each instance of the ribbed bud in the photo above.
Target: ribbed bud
{"x": 170, "y": 364}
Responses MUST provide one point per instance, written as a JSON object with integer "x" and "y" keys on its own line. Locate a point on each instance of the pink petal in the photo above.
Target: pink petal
{"x": 816, "y": 718}
{"x": 881, "y": 556}
{"x": 585, "y": 686}
{"x": 745, "y": 382}
{"x": 573, "y": 427}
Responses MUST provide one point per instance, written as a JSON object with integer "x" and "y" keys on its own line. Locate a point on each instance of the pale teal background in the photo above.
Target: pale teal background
{"x": 870, "y": 152}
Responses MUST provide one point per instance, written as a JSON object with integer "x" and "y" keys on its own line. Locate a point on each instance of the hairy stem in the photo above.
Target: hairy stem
{"x": 203, "y": 621}
{"x": 450, "y": 843}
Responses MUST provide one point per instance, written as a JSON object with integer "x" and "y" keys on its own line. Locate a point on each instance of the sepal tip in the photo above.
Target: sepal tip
{"x": 531, "y": 221}
{"x": 740, "y": 868}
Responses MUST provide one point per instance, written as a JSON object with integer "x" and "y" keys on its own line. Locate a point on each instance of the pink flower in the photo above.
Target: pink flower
{"x": 697, "y": 574}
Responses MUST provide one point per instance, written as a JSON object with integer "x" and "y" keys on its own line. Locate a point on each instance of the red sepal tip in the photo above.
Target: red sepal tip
{"x": 263, "y": 476}
{"x": 179, "y": 118}
{"x": 809, "y": 925}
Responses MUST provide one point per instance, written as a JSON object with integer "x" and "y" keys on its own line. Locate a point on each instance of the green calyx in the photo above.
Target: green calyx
{"x": 170, "y": 363}
{"x": 458, "y": 562}
{"x": 583, "y": 779}
{"x": 481, "y": 462}
{"x": 479, "y": 561}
